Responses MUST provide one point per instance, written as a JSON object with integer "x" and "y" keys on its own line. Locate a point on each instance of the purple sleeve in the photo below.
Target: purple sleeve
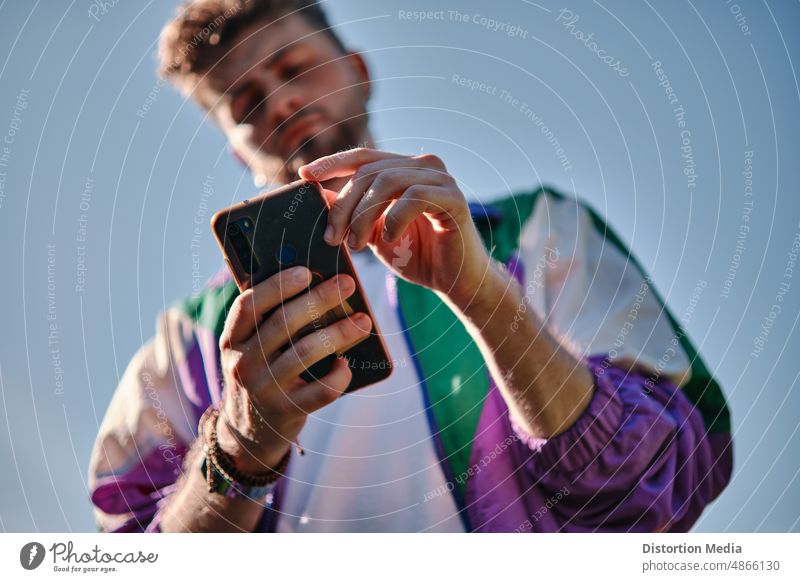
{"x": 148, "y": 427}
{"x": 137, "y": 495}
{"x": 638, "y": 459}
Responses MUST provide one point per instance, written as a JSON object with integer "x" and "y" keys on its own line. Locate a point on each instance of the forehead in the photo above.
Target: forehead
{"x": 261, "y": 42}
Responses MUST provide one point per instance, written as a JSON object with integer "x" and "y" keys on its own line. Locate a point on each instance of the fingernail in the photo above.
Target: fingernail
{"x": 345, "y": 283}
{"x": 385, "y": 234}
{"x": 328, "y": 233}
{"x": 310, "y": 168}
{"x": 352, "y": 240}
{"x": 300, "y": 274}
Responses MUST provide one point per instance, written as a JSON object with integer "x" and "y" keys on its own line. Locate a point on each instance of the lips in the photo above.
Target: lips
{"x": 296, "y": 132}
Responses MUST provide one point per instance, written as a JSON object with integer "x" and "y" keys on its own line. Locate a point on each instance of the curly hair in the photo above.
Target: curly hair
{"x": 202, "y": 30}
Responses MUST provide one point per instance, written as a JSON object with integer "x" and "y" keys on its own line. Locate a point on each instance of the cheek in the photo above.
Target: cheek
{"x": 339, "y": 93}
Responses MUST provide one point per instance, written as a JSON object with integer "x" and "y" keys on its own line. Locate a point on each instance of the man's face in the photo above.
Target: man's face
{"x": 296, "y": 95}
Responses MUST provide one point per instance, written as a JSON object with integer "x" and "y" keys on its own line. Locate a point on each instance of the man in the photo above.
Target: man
{"x": 539, "y": 382}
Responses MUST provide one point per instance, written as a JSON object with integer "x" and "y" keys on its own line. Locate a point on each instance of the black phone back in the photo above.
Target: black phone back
{"x": 282, "y": 229}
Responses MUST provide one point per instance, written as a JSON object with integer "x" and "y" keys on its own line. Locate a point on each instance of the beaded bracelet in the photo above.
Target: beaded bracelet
{"x": 221, "y": 463}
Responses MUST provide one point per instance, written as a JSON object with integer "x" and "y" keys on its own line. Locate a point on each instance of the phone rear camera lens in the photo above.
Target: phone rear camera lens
{"x": 234, "y": 230}
{"x": 286, "y": 255}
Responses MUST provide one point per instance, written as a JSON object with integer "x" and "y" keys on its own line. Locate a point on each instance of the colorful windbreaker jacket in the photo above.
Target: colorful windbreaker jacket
{"x": 651, "y": 451}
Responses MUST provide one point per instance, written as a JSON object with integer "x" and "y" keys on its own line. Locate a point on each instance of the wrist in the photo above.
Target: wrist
{"x": 219, "y": 469}
{"x": 478, "y": 299}
{"x": 248, "y": 455}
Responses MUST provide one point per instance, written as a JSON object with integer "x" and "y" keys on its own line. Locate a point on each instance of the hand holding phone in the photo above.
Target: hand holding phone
{"x": 282, "y": 229}
{"x": 266, "y": 401}
{"x": 301, "y": 311}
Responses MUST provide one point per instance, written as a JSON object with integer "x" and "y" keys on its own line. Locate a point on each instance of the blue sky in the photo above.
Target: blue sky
{"x": 682, "y": 131}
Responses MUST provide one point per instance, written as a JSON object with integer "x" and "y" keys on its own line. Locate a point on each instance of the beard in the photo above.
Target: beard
{"x": 340, "y": 137}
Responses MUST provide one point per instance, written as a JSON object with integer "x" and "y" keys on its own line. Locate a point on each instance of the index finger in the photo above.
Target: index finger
{"x": 342, "y": 164}
{"x": 249, "y": 308}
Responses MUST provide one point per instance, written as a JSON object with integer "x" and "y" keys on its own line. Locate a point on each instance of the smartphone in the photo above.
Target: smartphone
{"x": 284, "y": 228}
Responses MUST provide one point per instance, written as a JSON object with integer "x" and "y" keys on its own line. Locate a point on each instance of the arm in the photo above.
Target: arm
{"x": 265, "y": 403}
{"x": 635, "y": 462}
{"x": 390, "y": 199}
{"x": 263, "y": 409}
{"x": 545, "y": 388}
{"x": 193, "y": 508}
{"x": 641, "y": 457}
{"x": 631, "y": 462}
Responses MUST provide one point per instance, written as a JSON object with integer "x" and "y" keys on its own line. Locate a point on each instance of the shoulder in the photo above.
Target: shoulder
{"x": 506, "y": 221}
{"x": 207, "y": 308}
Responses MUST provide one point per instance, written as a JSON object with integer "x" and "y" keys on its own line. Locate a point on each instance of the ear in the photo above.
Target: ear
{"x": 359, "y": 66}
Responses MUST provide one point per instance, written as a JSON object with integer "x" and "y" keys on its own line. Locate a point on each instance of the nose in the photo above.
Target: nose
{"x": 284, "y": 102}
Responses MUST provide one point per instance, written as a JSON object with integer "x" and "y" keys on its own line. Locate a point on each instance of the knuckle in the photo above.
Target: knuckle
{"x": 415, "y": 191}
{"x": 278, "y": 286}
{"x": 281, "y": 405}
{"x": 362, "y": 152}
{"x": 278, "y": 322}
{"x": 341, "y": 381}
{"x": 337, "y": 207}
{"x": 359, "y": 216}
{"x": 323, "y": 395}
{"x": 233, "y": 366}
{"x": 384, "y": 181}
{"x": 366, "y": 172}
{"x": 243, "y": 304}
{"x": 232, "y": 321}
{"x": 322, "y": 294}
{"x": 431, "y": 161}
{"x": 349, "y": 331}
{"x": 361, "y": 176}
{"x": 413, "y": 194}
{"x": 392, "y": 221}
{"x": 304, "y": 350}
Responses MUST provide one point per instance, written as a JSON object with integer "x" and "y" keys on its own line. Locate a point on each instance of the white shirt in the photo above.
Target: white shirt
{"x": 370, "y": 458}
